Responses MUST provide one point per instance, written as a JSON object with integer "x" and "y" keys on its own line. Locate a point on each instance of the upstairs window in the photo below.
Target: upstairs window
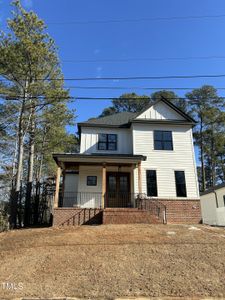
{"x": 151, "y": 183}
{"x": 163, "y": 140}
{"x": 180, "y": 184}
{"x": 107, "y": 141}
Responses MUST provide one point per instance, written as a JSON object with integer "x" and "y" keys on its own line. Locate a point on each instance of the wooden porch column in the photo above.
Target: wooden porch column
{"x": 57, "y": 182}
{"x": 103, "y": 185}
{"x": 139, "y": 179}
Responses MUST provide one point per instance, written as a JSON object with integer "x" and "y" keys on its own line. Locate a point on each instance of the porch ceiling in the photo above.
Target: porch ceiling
{"x": 97, "y": 159}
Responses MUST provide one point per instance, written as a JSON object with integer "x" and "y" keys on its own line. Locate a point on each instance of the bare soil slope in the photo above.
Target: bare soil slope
{"x": 109, "y": 261}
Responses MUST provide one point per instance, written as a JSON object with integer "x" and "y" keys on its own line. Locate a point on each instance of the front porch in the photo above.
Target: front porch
{"x": 98, "y": 181}
{"x": 102, "y": 189}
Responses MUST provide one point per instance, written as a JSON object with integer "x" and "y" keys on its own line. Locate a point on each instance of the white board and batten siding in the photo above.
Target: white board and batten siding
{"x": 160, "y": 111}
{"x": 165, "y": 162}
{"x": 89, "y": 140}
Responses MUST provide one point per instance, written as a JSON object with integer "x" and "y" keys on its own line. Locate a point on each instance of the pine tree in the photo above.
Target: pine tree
{"x": 29, "y": 64}
{"x": 205, "y": 106}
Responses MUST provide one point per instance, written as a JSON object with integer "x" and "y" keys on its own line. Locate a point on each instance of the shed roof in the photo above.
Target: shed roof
{"x": 212, "y": 189}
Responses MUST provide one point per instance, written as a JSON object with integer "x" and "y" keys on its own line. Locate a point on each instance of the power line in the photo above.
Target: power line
{"x": 133, "y": 77}
{"x": 137, "y": 20}
{"x": 133, "y": 87}
{"x": 98, "y": 98}
{"x": 124, "y": 60}
{"x": 144, "y": 77}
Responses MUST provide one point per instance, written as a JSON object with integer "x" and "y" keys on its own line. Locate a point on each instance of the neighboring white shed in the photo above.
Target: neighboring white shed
{"x": 213, "y": 205}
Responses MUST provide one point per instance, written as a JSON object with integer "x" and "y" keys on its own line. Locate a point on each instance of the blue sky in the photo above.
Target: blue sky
{"x": 147, "y": 39}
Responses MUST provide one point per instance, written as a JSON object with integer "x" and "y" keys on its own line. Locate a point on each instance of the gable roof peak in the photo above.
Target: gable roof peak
{"x": 172, "y": 106}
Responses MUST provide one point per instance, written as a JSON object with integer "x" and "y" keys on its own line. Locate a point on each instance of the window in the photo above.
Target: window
{"x": 180, "y": 184}
{"x": 92, "y": 180}
{"x": 107, "y": 141}
{"x": 163, "y": 140}
{"x": 224, "y": 199}
{"x": 151, "y": 183}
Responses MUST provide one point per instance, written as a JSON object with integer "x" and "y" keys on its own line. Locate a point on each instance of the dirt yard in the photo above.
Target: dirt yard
{"x": 109, "y": 261}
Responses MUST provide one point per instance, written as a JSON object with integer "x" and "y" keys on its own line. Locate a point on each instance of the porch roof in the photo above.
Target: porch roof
{"x": 96, "y": 158}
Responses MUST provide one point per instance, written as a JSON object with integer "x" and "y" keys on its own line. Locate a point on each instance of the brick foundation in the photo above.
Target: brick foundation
{"x": 64, "y": 215}
{"x": 182, "y": 211}
{"x": 177, "y": 212}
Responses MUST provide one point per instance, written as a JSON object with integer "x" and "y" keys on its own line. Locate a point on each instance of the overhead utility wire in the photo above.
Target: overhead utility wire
{"x": 133, "y": 87}
{"x": 137, "y": 20}
{"x": 141, "y": 59}
{"x": 133, "y": 77}
{"x": 93, "y": 98}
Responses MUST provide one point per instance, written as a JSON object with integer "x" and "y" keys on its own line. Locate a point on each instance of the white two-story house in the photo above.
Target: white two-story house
{"x": 129, "y": 156}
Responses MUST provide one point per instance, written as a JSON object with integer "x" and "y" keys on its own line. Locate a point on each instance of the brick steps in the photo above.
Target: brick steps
{"x": 129, "y": 216}
{"x": 90, "y": 216}
{"x": 177, "y": 212}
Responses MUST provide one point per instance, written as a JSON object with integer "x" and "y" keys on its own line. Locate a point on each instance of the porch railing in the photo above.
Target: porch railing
{"x": 80, "y": 199}
{"x": 94, "y": 199}
{"x": 114, "y": 200}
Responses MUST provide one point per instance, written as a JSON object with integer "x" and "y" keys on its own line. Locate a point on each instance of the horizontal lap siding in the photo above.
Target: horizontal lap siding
{"x": 85, "y": 171}
{"x": 89, "y": 140}
{"x": 165, "y": 162}
{"x": 93, "y": 199}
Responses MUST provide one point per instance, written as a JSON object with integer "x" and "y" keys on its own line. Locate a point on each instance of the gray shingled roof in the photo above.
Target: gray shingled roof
{"x": 123, "y": 119}
{"x": 118, "y": 119}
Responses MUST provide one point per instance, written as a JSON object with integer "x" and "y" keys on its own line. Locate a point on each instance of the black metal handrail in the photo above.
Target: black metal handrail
{"x": 81, "y": 217}
{"x": 114, "y": 200}
{"x": 154, "y": 206}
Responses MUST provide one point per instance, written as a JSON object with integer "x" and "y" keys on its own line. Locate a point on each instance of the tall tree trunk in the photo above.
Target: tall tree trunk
{"x": 38, "y": 180}
{"x": 213, "y": 167}
{"x": 222, "y": 160}
{"x": 202, "y": 157}
{"x": 15, "y": 193}
{"x": 27, "y": 216}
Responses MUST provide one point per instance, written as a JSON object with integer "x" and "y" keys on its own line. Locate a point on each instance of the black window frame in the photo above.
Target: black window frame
{"x": 90, "y": 181}
{"x": 164, "y": 140}
{"x": 108, "y": 141}
{"x": 181, "y": 187}
{"x": 151, "y": 183}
